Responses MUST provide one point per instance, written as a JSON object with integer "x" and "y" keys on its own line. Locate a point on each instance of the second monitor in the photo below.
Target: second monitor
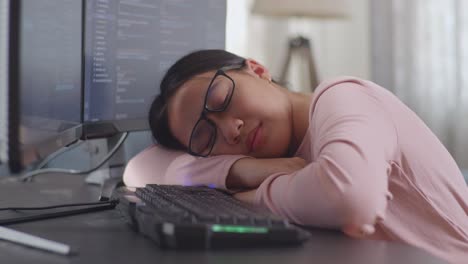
{"x": 129, "y": 45}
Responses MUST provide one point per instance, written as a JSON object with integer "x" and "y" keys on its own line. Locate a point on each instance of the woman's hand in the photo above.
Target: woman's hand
{"x": 247, "y": 196}
{"x": 249, "y": 173}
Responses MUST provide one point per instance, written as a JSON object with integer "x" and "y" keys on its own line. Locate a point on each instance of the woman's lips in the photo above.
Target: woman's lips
{"x": 254, "y": 138}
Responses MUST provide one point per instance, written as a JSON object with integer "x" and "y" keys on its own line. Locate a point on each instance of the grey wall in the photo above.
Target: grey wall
{"x": 3, "y": 170}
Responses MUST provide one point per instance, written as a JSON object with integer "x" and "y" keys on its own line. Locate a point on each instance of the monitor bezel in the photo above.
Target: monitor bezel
{"x": 14, "y": 153}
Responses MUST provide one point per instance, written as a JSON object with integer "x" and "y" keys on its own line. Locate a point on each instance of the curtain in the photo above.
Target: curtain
{"x": 420, "y": 52}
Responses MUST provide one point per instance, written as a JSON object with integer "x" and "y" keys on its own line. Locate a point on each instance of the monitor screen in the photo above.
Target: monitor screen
{"x": 46, "y": 75}
{"x": 129, "y": 45}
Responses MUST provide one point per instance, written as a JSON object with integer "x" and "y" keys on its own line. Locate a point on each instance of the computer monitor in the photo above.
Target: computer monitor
{"x": 129, "y": 45}
{"x": 43, "y": 66}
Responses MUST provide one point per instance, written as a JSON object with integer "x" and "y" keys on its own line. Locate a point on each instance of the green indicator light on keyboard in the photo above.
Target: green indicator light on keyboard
{"x": 238, "y": 229}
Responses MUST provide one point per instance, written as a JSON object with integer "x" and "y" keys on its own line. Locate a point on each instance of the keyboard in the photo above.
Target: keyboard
{"x": 197, "y": 217}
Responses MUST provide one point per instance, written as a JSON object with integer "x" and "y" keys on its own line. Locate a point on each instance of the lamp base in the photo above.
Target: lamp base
{"x": 302, "y": 46}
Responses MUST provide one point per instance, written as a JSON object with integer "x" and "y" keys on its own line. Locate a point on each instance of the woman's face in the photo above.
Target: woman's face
{"x": 257, "y": 121}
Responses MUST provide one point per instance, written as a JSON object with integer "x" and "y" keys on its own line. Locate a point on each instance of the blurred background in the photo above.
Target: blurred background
{"x": 417, "y": 49}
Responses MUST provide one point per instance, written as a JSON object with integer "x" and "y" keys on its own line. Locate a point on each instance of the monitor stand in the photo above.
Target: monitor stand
{"x": 113, "y": 168}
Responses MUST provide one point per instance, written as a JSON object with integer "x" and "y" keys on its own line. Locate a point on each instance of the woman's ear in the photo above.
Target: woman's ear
{"x": 257, "y": 69}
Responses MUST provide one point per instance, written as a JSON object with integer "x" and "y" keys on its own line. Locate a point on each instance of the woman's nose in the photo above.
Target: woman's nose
{"x": 235, "y": 137}
{"x": 230, "y": 128}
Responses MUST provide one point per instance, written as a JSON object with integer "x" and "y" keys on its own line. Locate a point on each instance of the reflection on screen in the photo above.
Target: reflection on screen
{"x": 50, "y": 67}
{"x": 130, "y": 44}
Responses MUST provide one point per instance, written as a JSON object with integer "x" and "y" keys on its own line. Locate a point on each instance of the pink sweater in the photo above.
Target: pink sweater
{"x": 375, "y": 171}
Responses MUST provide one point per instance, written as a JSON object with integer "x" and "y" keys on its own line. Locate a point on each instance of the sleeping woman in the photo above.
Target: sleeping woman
{"x": 350, "y": 156}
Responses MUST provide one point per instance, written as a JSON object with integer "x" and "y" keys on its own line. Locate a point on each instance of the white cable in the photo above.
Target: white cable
{"x": 30, "y": 175}
{"x": 57, "y": 153}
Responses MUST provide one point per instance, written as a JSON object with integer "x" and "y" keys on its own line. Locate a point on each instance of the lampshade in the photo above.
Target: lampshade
{"x": 303, "y": 8}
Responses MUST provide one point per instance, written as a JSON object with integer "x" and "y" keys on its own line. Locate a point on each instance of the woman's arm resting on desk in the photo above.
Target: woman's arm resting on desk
{"x": 249, "y": 173}
{"x": 159, "y": 165}
{"x": 346, "y": 185}
{"x": 162, "y": 166}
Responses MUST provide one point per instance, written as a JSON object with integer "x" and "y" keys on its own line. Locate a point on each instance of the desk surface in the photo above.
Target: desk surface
{"x": 102, "y": 237}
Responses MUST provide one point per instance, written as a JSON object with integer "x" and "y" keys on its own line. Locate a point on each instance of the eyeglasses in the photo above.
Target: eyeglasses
{"x": 217, "y": 99}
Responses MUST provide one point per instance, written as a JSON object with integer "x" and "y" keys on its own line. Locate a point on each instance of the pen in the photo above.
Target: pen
{"x": 34, "y": 241}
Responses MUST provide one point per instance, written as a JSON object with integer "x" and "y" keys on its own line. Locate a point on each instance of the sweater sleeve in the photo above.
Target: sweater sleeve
{"x": 346, "y": 184}
{"x": 158, "y": 165}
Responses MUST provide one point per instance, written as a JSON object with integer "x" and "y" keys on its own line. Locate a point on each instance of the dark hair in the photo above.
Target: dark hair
{"x": 184, "y": 69}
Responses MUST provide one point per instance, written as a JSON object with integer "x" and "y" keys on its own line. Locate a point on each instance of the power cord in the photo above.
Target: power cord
{"x": 58, "y": 153}
{"x": 28, "y": 176}
{"x": 100, "y": 206}
{"x": 56, "y": 206}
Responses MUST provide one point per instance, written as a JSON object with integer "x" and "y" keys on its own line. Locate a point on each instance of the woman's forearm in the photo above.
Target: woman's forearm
{"x": 249, "y": 173}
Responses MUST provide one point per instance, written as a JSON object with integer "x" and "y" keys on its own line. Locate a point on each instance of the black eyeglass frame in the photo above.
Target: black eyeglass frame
{"x": 222, "y": 71}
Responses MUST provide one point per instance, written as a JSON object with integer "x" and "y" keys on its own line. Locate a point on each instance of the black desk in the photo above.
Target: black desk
{"x": 102, "y": 237}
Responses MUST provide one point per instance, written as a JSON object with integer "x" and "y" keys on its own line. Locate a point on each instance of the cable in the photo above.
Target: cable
{"x": 30, "y": 218}
{"x": 28, "y": 176}
{"x": 57, "y": 153}
{"x": 56, "y": 206}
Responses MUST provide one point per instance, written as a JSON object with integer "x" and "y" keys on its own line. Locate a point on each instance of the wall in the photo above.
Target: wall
{"x": 341, "y": 47}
